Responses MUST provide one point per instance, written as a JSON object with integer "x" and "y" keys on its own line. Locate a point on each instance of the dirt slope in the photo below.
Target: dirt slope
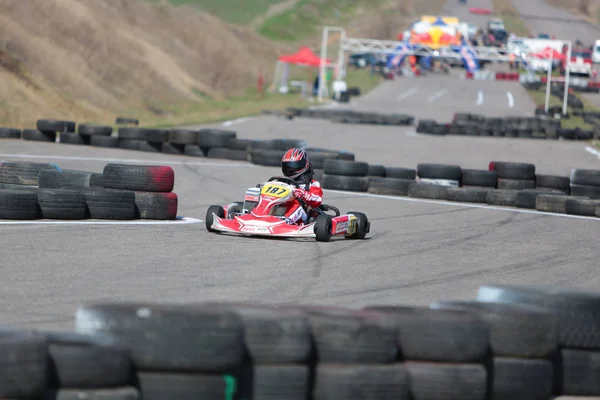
{"x": 93, "y": 59}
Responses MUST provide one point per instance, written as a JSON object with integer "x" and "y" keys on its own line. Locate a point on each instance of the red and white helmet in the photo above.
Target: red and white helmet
{"x": 295, "y": 163}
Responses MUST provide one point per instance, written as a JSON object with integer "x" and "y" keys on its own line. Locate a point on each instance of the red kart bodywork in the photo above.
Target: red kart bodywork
{"x": 261, "y": 221}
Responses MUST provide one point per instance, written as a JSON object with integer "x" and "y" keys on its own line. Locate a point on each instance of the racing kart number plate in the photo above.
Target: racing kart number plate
{"x": 255, "y": 229}
{"x": 274, "y": 190}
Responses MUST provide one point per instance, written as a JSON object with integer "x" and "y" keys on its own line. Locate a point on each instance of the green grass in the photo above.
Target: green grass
{"x": 539, "y": 97}
{"x": 307, "y": 17}
{"x": 504, "y": 9}
{"x": 235, "y": 11}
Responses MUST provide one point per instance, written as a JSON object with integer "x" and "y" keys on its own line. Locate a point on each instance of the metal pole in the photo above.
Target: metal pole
{"x": 341, "y": 61}
{"x": 322, "y": 63}
{"x": 567, "y": 73}
{"x": 548, "y": 82}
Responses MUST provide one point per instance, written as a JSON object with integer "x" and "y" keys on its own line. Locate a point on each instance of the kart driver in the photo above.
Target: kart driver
{"x": 296, "y": 166}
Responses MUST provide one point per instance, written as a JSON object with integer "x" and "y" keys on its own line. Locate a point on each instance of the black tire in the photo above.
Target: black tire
{"x": 193, "y": 150}
{"x": 515, "y": 378}
{"x": 585, "y": 177}
{"x": 466, "y": 194}
{"x": 583, "y": 207}
{"x": 363, "y": 225}
{"x": 157, "y": 206}
{"x": 275, "y": 382}
{"x": 61, "y": 204}
{"x": 439, "y": 171}
{"x": 18, "y": 205}
{"x": 592, "y": 192}
{"x": 345, "y": 168}
{"x": 513, "y": 170}
{"x": 345, "y": 183}
{"x": 127, "y": 121}
{"x": 357, "y": 382}
{"x": 323, "y": 228}
{"x": 37, "y": 136}
{"x": 94, "y": 130}
{"x": 317, "y": 159}
{"x": 527, "y": 198}
{"x": 97, "y": 180}
{"x": 110, "y": 204}
{"x": 515, "y": 330}
{"x": 554, "y": 203}
{"x": 87, "y": 362}
{"x": 63, "y": 179}
{"x": 208, "y": 138}
{"x": 427, "y": 334}
{"x": 427, "y": 191}
{"x": 318, "y": 175}
{"x": 170, "y": 148}
{"x": 183, "y": 136}
{"x": 515, "y": 184}
{"x": 208, "y": 339}
{"x": 10, "y": 133}
{"x": 22, "y": 173}
{"x": 104, "y": 141}
{"x": 144, "y": 134}
{"x": 552, "y": 181}
{"x": 73, "y": 138}
{"x": 143, "y": 178}
{"x": 273, "y": 335}
{"x": 579, "y": 372}
{"x": 376, "y": 170}
{"x": 576, "y": 310}
{"x": 447, "y": 381}
{"x": 389, "y": 186}
{"x": 52, "y": 125}
{"x": 227, "y": 154}
{"x": 400, "y": 173}
{"x": 479, "y": 177}
{"x": 238, "y": 144}
{"x": 267, "y": 158}
{"x": 130, "y": 144}
{"x": 209, "y": 219}
{"x": 346, "y": 336}
{"x": 126, "y": 393}
{"x": 165, "y": 385}
{"x": 150, "y": 147}
{"x": 502, "y": 197}
{"x": 24, "y": 367}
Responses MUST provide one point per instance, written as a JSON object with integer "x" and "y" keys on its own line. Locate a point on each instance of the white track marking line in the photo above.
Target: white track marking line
{"x": 408, "y": 93}
{"x": 236, "y": 121}
{"x": 437, "y": 95}
{"x": 129, "y": 160}
{"x": 467, "y": 205}
{"x": 511, "y": 99}
{"x": 180, "y": 221}
{"x": 479, "y": 98}
{"x": 593, "y": 151}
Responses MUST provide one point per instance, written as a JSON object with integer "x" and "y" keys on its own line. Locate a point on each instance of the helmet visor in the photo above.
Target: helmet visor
{"x": 291, "y": 168}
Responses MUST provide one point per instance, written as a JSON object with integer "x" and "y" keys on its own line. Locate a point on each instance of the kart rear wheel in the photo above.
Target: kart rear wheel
{"x": 218, "y": 211}
{"x": 323, "y": 227}
{"x": 363, "y": 225}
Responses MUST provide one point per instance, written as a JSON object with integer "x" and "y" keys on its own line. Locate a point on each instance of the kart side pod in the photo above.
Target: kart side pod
{"x": 353, "y": 225}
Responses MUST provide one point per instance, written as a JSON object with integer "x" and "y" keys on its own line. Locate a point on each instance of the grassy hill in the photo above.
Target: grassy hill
{"x": 162, "y": 61}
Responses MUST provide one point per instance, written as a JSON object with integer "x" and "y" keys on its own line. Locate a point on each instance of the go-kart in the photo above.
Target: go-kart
{"x": 262, "y": 214}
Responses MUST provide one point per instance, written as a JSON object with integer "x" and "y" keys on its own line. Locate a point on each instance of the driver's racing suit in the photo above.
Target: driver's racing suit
{"x": 313, "y": 197}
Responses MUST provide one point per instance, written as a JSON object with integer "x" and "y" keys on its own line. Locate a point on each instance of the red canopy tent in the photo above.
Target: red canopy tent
{"x": 549, "y": 52}
{"x": 303, "y": 57}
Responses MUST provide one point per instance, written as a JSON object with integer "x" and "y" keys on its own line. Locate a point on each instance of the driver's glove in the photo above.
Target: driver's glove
{"x": 301, "y": 194}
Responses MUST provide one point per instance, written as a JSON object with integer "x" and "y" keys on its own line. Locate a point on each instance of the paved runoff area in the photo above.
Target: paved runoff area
{"x": 417, "y": 252}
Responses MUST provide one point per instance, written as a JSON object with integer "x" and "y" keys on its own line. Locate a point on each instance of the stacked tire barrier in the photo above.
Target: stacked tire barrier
{"x": 466, "y": 124}
{"x": 510, "y": 342}
{"x": 30, "y": 191}
{"x": 349, "y": 116}
{"x": 506, "y": 184}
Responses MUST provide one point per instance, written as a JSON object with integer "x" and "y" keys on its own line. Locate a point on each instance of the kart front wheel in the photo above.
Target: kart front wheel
{"x": 216, "y": 210}
{"x": 363, "y": 226}
{"x": 323, "y": 227}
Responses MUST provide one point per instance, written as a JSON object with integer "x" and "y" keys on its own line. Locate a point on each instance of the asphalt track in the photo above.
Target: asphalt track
{"x": 418, "y": 251}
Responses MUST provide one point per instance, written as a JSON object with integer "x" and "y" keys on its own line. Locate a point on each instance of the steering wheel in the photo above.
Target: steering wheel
{"x": 284, "y": 180}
